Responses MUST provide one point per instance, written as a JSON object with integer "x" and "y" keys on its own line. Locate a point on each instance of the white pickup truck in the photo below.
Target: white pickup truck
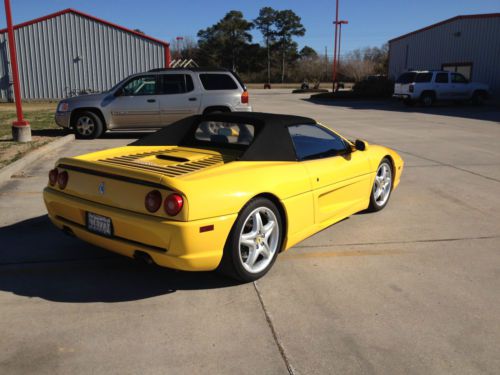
{"x": 427, "y": 86}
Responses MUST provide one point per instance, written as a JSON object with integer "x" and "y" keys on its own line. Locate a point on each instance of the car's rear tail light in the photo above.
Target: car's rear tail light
{"x": 53, "y": 176}
{"x": 245, "y": 98}
{"x": 62, "y": 179}
{"x": 411, "y": 88}
{"x": 173, "y": 204}
{"x": 153, "y": 201}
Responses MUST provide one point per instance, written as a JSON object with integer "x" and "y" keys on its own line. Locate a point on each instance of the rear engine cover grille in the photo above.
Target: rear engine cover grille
{"x": 173, "y": 170}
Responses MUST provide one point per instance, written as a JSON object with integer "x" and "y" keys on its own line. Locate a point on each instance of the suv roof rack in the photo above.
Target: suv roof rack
{"x": 198, "y": 69}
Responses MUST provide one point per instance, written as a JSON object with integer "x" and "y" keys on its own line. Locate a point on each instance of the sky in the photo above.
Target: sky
{"x": 371, "y": 22}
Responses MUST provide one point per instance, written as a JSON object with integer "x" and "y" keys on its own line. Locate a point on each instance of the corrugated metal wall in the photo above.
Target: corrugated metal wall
{"x": 478, "y": 43}
{"x": 72, "y": 52}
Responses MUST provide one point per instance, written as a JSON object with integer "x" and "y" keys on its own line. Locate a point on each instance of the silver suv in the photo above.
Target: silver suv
{"x": 152, "y": 100}
{"x": 427, "y": 86}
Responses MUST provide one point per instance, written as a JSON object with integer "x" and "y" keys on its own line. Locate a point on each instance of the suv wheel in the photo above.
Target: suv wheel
{"x": 427, "y": 99}
{"x": 478, "y": 98}
{"x": 87, "y": 125}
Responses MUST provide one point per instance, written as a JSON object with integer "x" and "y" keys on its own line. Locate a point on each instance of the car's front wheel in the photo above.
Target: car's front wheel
{"x": 382, "y": 186}
{"x": 87, "y": 125}
{"x": 254, "y": 242}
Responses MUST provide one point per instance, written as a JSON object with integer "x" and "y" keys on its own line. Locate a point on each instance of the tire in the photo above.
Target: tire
{"x": 478, "y": 98}
{"x": 427, "y": 99}
{"x": 87, "y": 125}
{"x": 382, "y": 186}
{"x": 251, "y": 249}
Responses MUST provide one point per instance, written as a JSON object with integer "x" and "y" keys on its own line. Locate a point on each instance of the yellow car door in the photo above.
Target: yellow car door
{"x": 340, "y": 177}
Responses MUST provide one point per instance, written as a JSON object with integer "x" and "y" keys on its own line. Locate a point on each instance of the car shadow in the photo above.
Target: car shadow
{"x": 488, "y": 112}
{"x": 50, "y": 132}
{"x": 125, "y": 134}
{"x": 38, "y": 260}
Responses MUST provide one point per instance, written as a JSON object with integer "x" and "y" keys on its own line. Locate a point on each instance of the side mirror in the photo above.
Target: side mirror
{"x": 119, "y": 92}
{"x": 360, "y": 145}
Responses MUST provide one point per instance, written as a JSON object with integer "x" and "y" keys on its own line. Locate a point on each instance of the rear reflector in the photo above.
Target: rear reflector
{"x": 245, "y": 97}
{"x": 206, "y": 228}
{"x": 173, "y": 204}
{"x": 62, "y": 179}
{"x": 153, "y": 201}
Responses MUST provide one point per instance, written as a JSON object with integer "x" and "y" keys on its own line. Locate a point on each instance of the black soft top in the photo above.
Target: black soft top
{"x": 272, "y": 141}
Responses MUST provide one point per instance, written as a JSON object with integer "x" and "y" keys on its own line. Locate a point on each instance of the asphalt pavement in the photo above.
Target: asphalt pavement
{"x": 411, "y": 289}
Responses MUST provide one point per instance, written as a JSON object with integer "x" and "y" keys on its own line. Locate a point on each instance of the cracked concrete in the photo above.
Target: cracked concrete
{"x": 412, "y": 289}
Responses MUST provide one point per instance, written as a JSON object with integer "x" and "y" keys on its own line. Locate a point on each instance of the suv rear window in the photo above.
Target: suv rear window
{"x": 406, "y": 78}
{"x": 423, "y": 77}
{"x": 218, "y": 82}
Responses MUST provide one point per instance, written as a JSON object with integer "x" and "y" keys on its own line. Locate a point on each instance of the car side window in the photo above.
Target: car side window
{"x": 442, "y": 78}
{"x": 313, "y": 142}
{"x": 175, "y": 84}
{"x": 458, "y": 78}
{"x": 143, "y": 85}
{"x": 213, "y": 81}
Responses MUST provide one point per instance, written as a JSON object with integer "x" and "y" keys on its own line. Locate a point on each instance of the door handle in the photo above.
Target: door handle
{"x": 192, "y": 99}
{"x": 151, "y": 100}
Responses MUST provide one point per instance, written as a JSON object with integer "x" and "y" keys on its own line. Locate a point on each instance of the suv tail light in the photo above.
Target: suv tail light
{"x": 411, "y": 88}
{"x": 173, "y": 204}
{"x": 245, "y": 97}
{"x": 62, "y": 179}
{"x": 53, "y": 176}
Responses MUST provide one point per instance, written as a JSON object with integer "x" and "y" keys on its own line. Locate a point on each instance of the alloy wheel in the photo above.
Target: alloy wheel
{"x": 258, "y": 240}
{"x": 383, "y": 184}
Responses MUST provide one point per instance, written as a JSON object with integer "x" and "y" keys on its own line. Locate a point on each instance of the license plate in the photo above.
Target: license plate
{"x": 99, "y": 224}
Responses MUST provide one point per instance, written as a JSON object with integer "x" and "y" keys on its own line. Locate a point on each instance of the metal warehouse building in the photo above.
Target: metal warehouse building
{"x": 466, "y": 44}
{"x": 70, "y": 51}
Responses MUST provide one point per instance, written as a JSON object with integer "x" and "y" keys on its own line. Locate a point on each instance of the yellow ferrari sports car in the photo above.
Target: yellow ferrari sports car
{"x": 225, "y": 191}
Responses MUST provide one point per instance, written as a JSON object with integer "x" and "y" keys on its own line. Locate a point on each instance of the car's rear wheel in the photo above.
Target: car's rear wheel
{"x": 254, "y": 242}
{"x": 87, "y": 125}
{"x": 382, "y": 186}
{"x": 478, "y": 98}
{"x": 427, "y": 99}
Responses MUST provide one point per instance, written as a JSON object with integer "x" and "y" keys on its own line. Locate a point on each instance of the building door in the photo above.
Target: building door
{"x": 463, "y": 68}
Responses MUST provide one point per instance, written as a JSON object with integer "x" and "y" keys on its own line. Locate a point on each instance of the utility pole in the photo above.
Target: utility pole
{"x": 326, "y": 64}
{"x": 334, "y": 72}
{"x": 179, "y": 39}
{"x": 340, "y": 23}
{"x": 21, "y": 130}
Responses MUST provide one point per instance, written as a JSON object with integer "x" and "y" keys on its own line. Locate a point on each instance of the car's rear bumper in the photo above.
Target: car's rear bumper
{"x": 401, "y": 96}
{"x": 172, "y": 244}
{"x": 63, "y": 119}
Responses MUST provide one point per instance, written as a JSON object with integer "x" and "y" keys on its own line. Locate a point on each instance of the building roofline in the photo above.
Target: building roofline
{"x": 82, "y": 14}
{"x": 456, "y": 18}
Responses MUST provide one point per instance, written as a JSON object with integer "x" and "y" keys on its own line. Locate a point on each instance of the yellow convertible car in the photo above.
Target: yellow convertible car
{"x": 225, "y": 191}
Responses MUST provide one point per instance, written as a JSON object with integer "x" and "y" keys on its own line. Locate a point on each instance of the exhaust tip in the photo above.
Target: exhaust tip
{"x": 143, "y": 257}
{"x": 68, "y": 231}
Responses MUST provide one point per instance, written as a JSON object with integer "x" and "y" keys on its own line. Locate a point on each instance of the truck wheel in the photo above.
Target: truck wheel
{"x": 478, "y": 98}
{"x": 87, "y": 125}
{"x": 427, "y": 99}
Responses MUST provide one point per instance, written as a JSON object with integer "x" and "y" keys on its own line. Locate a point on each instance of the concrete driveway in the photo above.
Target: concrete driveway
{"x": 411, "y": 289}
